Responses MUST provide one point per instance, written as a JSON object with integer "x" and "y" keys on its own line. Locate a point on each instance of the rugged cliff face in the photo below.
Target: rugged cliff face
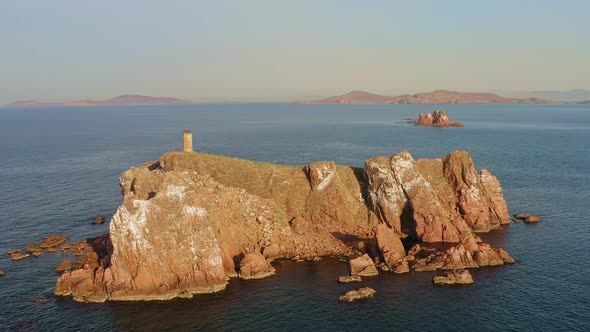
{"x": 190, "y": 221}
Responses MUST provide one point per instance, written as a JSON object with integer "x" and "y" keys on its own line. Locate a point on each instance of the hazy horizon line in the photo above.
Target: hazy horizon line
{"x": 291, "y": 98}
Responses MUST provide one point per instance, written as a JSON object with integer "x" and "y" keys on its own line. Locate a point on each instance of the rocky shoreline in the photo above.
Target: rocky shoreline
{"x": 190, "y": 221}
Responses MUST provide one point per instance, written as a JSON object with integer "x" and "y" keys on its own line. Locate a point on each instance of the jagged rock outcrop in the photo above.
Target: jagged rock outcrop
{"x": 415, "y": 198}
{"x": 471, "y": 253}
{"x": 438, "y": 118}
{"x": 391, "y": 247}
{"x": 190, "y": 221}
{"x": 363, "y": 266}
{"x": 255, "y": 266}
{"x": 480, "y": 199}
{"x": 357, "y": 294}
{"x": 459, "y": 277}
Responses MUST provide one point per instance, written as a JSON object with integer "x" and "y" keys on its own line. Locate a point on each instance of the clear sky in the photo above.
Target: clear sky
{"x": 253, "y": 50}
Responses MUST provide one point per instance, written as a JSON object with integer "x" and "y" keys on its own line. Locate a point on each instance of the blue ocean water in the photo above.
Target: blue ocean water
{"x": 60, "y": 169}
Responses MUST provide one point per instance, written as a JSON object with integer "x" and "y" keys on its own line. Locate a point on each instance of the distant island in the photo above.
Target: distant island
{"x": 120, "y": 100}
{"x": 434, "y": 97}
{"x": 585, "y": 102}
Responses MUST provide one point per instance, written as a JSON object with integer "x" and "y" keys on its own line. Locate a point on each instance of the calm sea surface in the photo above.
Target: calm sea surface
{"x": 60, "y": 168}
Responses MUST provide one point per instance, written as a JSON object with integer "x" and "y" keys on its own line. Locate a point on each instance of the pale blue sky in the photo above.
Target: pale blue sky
{"x": 279, "y": 50}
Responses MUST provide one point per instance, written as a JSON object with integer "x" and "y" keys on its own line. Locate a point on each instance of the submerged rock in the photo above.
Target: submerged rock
{"x": 33, "y": 249}
{"x": 52, "y": 241}
{"x": 98, "y": 220}
{"x": 357, "y": 294}
{"x": 17, "y": 255}
{"x": 2, "y": 273}
{"x": 527, "y": 218}
{"x": 457, "y": 277}
{"x": 349, "y": 278}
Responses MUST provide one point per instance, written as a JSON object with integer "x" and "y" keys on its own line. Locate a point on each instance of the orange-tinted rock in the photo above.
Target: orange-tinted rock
{"x": 17, "y": 255}
{"x": 52, "y": 241}
{"x": 495, "y": 195}
{"x": 349, "y": 278}
{"x": 527, "y": 218}
{"x": 363, "y": 266}
{"x": 506, "y": 258}
{"x": 66, "y": 248}
{"x": 438, "y": 118}
{"x": 483, "y": 210}
{"x": 255, "y": 266}
{"x": 272, "y": 252}
{"x": 390, "y": 245}
{"x": 33, "y": 249}
{"x": 487, "y": 256}
{"x": 457, "y": 277}
{"x": 64, "y": 266}
{"x": 457, "y": 257}
{"x": 433, "y": 220}
{"x": 401, "y": 266}
{"x": 98, "y": 220}
{"x": 357, "y": 294}
{"x": 2, "y": 273}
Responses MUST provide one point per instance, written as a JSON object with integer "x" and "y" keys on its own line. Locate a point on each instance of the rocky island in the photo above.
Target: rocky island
{"x": 190, "y": 221}
{"x": 438, "y": 118}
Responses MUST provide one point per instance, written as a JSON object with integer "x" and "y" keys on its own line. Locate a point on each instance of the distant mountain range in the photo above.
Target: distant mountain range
{"x": 575, "y": 95}
{"x": 120, "y": 100}
{"x": 434, "y": 97}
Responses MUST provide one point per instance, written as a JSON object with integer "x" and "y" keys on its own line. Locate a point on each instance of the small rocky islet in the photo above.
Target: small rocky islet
{"x": 438, "y": 118}
{"x": 527, "y": 218}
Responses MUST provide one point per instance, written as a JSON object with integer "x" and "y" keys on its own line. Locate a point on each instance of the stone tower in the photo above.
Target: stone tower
{"x": 188, "y": 141}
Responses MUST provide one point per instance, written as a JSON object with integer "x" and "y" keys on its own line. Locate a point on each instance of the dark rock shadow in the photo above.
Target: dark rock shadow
{"x": 237, "y": 259}
{"x": 103, "y": 247}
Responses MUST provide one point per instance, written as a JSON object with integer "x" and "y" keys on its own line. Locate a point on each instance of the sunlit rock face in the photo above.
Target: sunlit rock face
{"x": 190, "y": 221}
{"x": 438, "y": 118}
